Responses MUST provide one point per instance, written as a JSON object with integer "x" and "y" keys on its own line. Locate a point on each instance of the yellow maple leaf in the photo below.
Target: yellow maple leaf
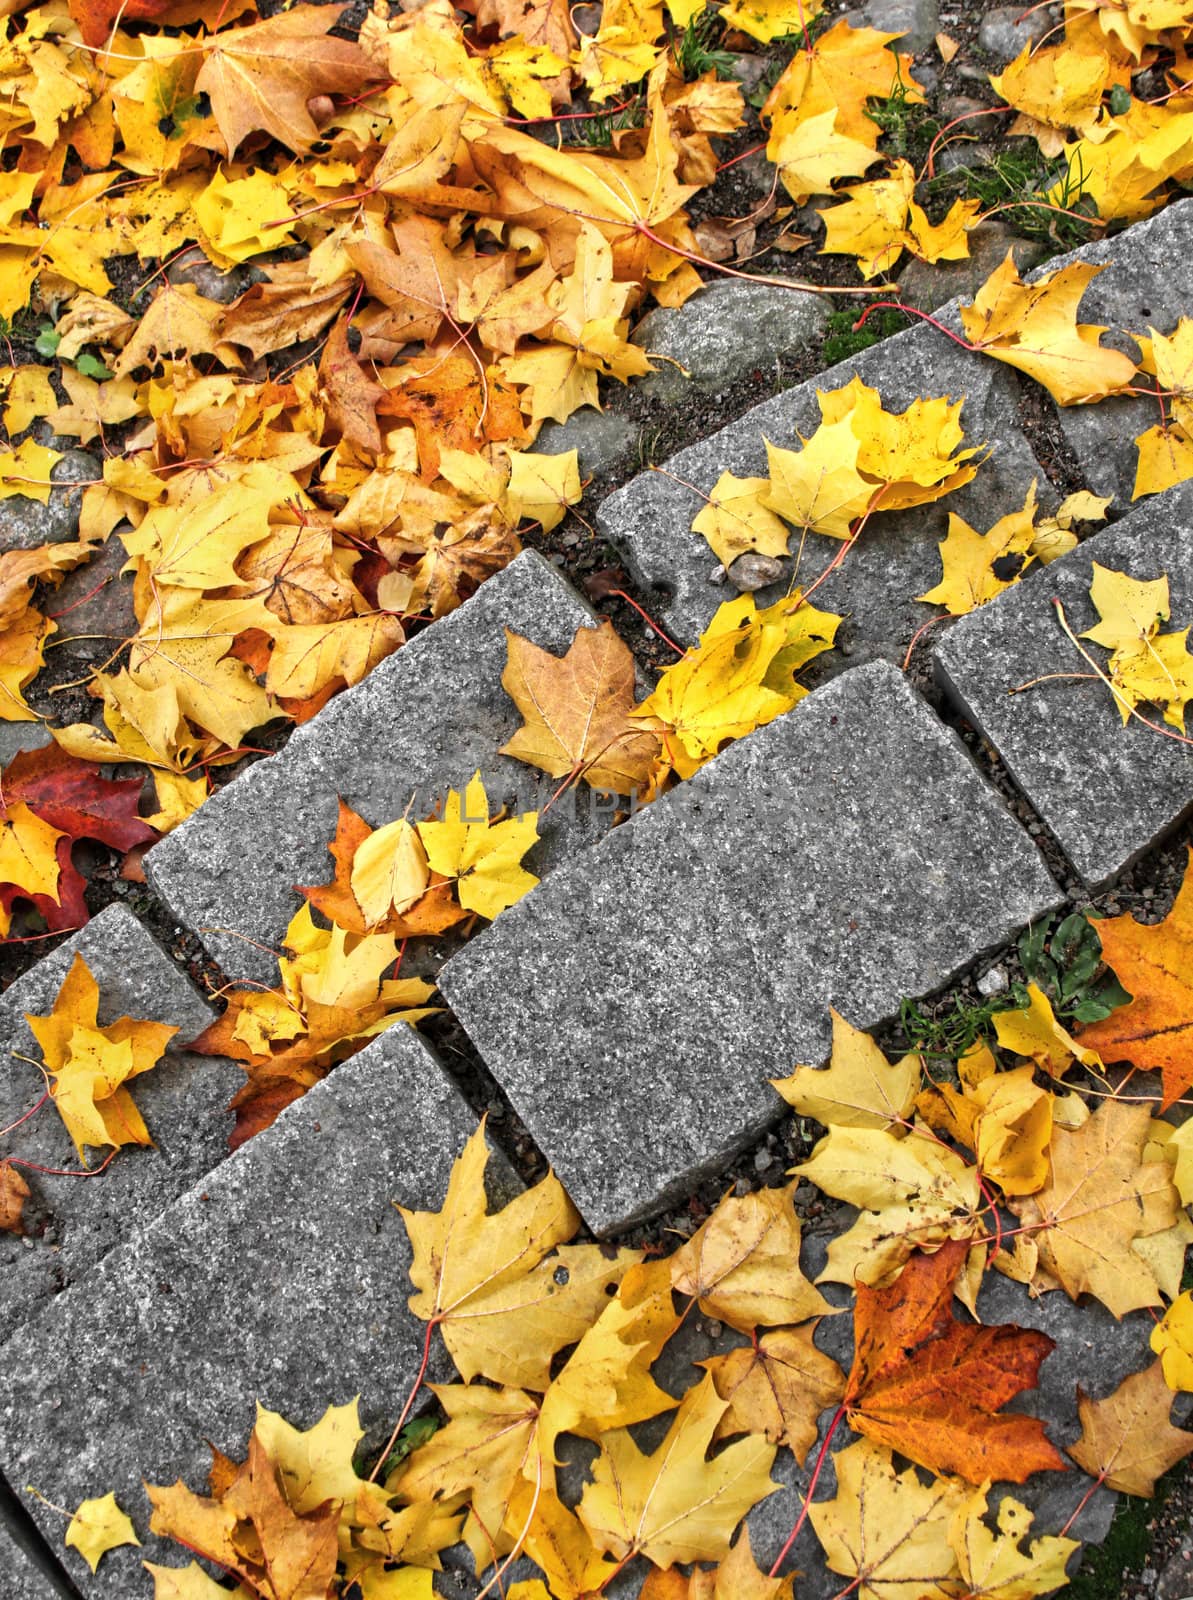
{"x": 736, "y": 519}
{"x": 1172, "y": 1340}
{"x": 742, "y": 1264}
{"x": 491, "y": 1284}
{"x": 909, "y": 1191}
{"x": 91, "y": 1064}
{"x": 26, "y": 470}
{"x": 779, "y": 1386}
{"x": 870, "y": 224}
{"x": 859, "y": 1088}
{"x": 1101, "y": 1196}
{"x": 483, "y": 856}
{"x": 767, "y": 20}
{"x": 820, "y": 487}
{"x": 887, "y": 1530}
{"x": 99, "y": 1526}
{"x": 811, "y": 152}
{"x": 676, "y": 1505}
{"x": 28, "y": 851}
{"x": 1034, "y": 328}
{"x": 992, "y": 1561}
{"x": 978, "y": 567}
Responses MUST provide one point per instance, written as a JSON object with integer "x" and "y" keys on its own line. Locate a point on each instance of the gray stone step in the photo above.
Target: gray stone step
{"x": 25, "y": 1574}
{"x": 420, "y": 724}
{"x": 1148, "y": 282}
{"x": 1106, "y": 791}
{"x": 72, "y": 1222}
{"x": 650, "y": 519}
{"x": 281, "y": 1278}
{"x": 635, "y": 1004}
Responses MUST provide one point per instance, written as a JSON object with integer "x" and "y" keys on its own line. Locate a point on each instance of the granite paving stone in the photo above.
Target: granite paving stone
{"x": 726, "y": 331}
{"x": 635, "y": 1004}
{"x": 1106, "y": 791}
{"x": 70, "y": 1222}
{"x": 24, "y": 1575}
{"x": 1148, "y": 283}
{"x": 649, "y": 520}
{"x": 280, "y": 1278}
{"x": 420, "y": 724}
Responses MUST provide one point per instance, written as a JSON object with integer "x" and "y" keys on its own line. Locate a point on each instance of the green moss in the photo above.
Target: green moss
{"x": 1123, "y": 1550}
{"x": 841, "y": 341}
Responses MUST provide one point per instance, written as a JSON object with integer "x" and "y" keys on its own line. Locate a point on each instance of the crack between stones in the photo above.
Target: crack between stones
{"x": 16, "y": 1518}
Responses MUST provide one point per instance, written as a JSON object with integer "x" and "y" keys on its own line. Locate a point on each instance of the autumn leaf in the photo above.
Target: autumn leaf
{"x": 383, "y": 883}
{"x": 1155, "y": 964}
{"x": 1127, "y": 1440}
{"x": 1172, "y": 1340}
{"x": 736, "y": 1578}
{"x": 993, "y": 1561}
{"x": 478, "y": 1455}
{"x": 576, "y": 710}
{"x": 676, "y": 1505}
{"x": 252, "y": 1531}
{"x": 777, "y": 1387}
{"x": 911, "y": 1192}
{"x": 482, "y": 856}
{"x": 263, "y": 76}
{"x": 90, "y": 1065}
{"x": 930, "y": 1387}
{"x": 1034, "y": 327}
{"x": 888, "y": 1530}
{"x": 491, "y": 1283}
{"x": 742, "y": 1265}
{"x": 97, "y": 1527}
{"x": 14, "y": 1191}
{"x": 859, "y": 1088}
{"x": 978, "y": 567}
{"x": 1101, "y": 1195}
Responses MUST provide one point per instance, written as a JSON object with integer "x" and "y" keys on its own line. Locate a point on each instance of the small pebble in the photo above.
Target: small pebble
{"x": 993, "y": 982}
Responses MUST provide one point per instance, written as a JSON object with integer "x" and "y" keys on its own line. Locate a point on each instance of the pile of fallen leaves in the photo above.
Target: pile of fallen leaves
{"x": 1030, "y": 1156}
{"x": 302, "y": 473}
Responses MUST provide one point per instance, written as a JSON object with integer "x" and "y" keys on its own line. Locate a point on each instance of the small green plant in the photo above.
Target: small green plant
{"x": 416, "y": 1433}
{"x": 1042, "y": 200}
{"x": 952, "y": 1033}
{"x": 696, "y": 48}
{"x": 842, "y": 341}
{"x": 909, "y": 126}
{"x": 1067, "y": 965}
{"x": 597, "y": 132}
{"x": 47, "y": 342}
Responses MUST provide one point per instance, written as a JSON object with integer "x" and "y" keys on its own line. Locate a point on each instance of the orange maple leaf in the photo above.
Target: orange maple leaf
{"x": 1155, "y": 964}
{"x": 929, "y": 1386}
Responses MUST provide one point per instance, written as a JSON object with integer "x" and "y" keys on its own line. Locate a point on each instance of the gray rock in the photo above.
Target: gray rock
{"x": 71, "y": 1223}
{"x": 917, "y": 20}
{"x": 650, "y": 519}
{"x": 993, "y": 982}
{"x": 639, "y": 1000}
{"x": 1006, "y": 29}
{"x": 18, "y": 736}
{"x": 25, "y": 1571}
{"x": 753, "y": 571}
{"x": 26, "y": 523}
{"x": 1148, "y": 283}
{"x": 281, "y": 1278}
{"x": 94, "y": 605}
{"x": 605, "y": 441}
{"x": 724, "y": 332}
{"x": 1106, "y": 791}
{"x": 211, "y": 282}
{"x": 928, "y": 285}
{"x": 420, "y": 724}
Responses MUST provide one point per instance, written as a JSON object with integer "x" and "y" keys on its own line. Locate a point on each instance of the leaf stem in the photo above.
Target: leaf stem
{"x": 838, "y": 1418}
